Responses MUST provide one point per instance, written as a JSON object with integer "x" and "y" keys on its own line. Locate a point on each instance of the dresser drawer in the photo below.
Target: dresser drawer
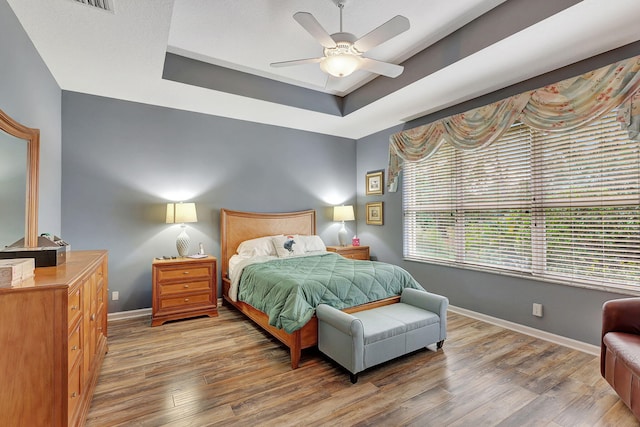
{"x": 186, "y": 301}
{"x": 74, "y": 345}
{"x": 74, "y": 396}
{"x": 74, "y": 306}
{"x": 183, "y": 273}
{"x": 182, "y": 287}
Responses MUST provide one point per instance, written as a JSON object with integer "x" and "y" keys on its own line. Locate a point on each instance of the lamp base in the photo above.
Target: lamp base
{"x": 182, "y": 243}
{"x": 342, "y": 235}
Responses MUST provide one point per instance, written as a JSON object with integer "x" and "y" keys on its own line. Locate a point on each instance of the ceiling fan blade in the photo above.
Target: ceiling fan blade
{"x": 314, "y": 28}
{"x": 295, "y": 62}
{"x": 394, "y": 26}
{"x": 379, "y": 67}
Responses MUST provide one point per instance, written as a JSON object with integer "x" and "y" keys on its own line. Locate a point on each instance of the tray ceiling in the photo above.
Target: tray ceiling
{"x": 453, "y": 52}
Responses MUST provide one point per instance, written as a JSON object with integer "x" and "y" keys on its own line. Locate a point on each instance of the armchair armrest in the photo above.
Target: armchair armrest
{"x": 619, "y": 315}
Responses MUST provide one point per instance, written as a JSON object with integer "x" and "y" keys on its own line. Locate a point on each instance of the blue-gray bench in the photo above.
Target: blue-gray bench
{"x": 367, "y": 338}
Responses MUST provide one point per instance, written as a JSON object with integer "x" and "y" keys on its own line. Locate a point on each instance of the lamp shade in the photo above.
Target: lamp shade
{"x": 343, "y": 213}
{"x": 179, "y": 213}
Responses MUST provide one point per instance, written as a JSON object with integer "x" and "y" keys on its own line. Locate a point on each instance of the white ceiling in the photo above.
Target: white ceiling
{"x": 121, "y": 54}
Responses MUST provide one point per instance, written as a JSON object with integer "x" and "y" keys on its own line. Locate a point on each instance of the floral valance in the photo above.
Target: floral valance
{"x": 554, "y": 108}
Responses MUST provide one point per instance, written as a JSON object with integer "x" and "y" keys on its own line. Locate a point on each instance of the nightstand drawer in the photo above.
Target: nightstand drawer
{"x": 351, "y": 252}
{"x": 355, "y": 255}
{"x": 185, "y": 301}
{"x": 182, "y": 273}
{"x": 182, "y": 287}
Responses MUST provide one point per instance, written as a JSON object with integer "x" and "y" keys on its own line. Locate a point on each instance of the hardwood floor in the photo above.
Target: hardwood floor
{"x": 226, "y": 371}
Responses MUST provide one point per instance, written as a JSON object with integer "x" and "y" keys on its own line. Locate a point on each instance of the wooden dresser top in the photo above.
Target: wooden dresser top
{"x": 77, "y": 264}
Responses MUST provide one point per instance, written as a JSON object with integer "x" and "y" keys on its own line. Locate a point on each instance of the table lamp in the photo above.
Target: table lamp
{"x": 181, "y": 213}
{"x": 342, "y": 214}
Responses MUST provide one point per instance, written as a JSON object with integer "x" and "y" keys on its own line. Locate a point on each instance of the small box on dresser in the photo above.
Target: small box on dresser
{"x": 183, "y": 288}
{"x": 14, "y": 271}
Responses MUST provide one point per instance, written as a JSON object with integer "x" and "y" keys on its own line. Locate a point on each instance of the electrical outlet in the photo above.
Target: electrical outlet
{"x": 537, "y": 309}
{"x": 115, "y": 295}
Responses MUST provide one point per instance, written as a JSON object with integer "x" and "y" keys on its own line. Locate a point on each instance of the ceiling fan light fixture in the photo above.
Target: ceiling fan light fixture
{"x": 340, "y": 65}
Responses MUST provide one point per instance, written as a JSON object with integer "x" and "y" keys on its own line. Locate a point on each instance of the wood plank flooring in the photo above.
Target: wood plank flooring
{"x": 226, "y": 371}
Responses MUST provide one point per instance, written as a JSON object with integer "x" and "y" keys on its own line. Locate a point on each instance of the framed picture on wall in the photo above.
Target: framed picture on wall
{"x": 375, "y": 182}
{"x": 374, "y": 213}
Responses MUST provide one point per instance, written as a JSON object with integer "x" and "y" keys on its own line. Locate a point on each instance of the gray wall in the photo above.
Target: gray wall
{"x": 568, "y": 311}
{"x": 122, "y": 162}
{"x": 30, "y": 95}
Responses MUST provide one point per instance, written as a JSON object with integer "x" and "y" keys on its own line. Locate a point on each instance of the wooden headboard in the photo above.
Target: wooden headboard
{"x": 236, "y": 227}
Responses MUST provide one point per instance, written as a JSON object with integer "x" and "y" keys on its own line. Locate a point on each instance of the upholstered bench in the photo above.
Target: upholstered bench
{"x": 367, "y": 338}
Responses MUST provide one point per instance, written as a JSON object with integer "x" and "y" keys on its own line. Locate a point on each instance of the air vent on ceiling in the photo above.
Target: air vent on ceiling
{"x": 98, "y": 4}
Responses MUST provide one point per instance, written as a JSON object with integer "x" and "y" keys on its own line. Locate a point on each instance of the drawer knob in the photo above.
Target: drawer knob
{"x": 186, "y": 286}
{"x": 74, "y": 348}
{"x": 93, "y": 317}
{"x": 74, "y": 307}
{"x": 74, "y": 394}
{"x": 186, "y": 300}
{"x": 185, "y": 272}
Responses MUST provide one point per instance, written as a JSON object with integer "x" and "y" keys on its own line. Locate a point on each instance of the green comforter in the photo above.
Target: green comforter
{"x": 289, "y": 289}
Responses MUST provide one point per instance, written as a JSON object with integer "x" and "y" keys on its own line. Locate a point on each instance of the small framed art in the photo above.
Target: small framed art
{"x": 374, "y": 213}
{"x": 375, "y": 182}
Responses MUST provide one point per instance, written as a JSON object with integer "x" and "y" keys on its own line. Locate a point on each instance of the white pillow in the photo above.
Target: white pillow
{"x": 288, "y": 245}
{"x": 311, "y": 243}
{"x": 261, "y": 246}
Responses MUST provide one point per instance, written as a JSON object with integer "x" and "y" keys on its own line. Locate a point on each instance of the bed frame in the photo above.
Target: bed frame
{"x": 236, "y": 227}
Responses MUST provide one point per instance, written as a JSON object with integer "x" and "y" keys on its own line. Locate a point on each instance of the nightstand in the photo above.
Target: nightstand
{"x": 183, "y": 288}
{"x": 353, "y": 252}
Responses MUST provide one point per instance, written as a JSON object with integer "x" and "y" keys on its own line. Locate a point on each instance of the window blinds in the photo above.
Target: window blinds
{"x": 560, "y": 206}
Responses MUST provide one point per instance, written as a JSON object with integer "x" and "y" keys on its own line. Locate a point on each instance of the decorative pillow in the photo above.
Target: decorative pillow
{"x": 311, "y": 243}
{"x": 287, "y": 246}
{"x": 261, "y": 246}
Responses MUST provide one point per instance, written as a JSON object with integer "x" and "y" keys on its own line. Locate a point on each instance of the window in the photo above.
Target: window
{"x": 562, "y": 206}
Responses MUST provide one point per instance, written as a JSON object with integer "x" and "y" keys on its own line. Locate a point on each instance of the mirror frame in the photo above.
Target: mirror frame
{"x": 32, "y": 138}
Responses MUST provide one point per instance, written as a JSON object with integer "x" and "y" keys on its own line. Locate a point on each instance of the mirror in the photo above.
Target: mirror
{"x": 18, "y": 182}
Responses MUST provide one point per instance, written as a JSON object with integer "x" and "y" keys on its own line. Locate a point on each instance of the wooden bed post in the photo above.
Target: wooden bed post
{"x": 296, "y": 349}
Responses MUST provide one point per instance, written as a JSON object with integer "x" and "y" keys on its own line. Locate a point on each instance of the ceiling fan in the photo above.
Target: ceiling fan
{"x": 343, "y": 51}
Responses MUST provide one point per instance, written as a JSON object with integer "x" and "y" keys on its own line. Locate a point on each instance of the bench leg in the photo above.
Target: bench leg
{"x": 354, "y": 378}
{"x": 440, "y": 344}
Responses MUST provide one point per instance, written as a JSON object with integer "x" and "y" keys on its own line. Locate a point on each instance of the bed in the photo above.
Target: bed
{"x": 237, "y": 227}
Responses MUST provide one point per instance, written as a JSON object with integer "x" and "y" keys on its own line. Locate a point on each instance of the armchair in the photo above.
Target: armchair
{"x": 620, "y": 349}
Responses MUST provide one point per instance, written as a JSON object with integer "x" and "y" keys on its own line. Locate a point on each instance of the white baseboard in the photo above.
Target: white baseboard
{"x": 131, "y": 314}
{"x": 537, "y": 333}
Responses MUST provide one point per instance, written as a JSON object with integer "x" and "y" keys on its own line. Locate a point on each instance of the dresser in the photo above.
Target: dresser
{"x": 53, "y": 338}
{"x": 184, "y": 287}
{"x": 353, "y": 252}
